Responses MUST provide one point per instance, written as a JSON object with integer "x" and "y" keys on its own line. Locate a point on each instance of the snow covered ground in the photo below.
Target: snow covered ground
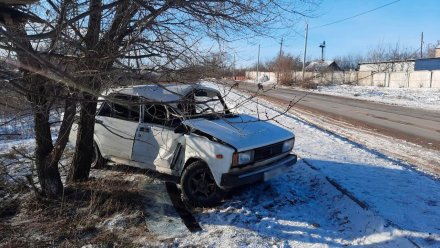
{"x": 299, "y": 209}
{"x": 409, "y": 97}
{"x": 396, "y": 206}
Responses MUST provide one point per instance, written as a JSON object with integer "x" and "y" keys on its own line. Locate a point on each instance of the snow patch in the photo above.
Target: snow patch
{"x": 410, "y": 97}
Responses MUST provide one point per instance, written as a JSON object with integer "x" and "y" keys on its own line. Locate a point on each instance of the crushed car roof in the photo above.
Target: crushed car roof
{"x": 161, "y": 92}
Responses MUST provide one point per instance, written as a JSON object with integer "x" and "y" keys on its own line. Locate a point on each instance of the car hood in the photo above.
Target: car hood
{"x": 243, "y": 132}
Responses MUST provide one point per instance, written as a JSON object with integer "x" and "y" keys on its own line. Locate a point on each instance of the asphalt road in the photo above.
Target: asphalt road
{"x": 414, "y": 125}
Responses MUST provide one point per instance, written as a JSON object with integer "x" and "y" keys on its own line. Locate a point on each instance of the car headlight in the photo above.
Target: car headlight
{"x": 288, "y": 145}
{"x": 242, "y": 158}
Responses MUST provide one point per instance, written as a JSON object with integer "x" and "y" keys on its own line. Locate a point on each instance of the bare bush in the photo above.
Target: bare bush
{"x": 308, "y": 83}
{"x": 284, "y": 65}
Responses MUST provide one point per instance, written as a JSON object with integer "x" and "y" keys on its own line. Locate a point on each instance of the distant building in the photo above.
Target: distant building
{"x": 429, "y": 64}
{"x": 388, "y": 66}
{"x": 408, "y": 65}
{"x": 322, "y": 66}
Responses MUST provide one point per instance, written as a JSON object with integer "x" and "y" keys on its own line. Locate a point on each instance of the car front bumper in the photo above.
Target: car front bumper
{"x": 260, "y": 173}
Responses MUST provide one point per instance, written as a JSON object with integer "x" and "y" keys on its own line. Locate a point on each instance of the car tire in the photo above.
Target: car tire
{"x": 198, "y": 186}
{"x": 98, "y": 161}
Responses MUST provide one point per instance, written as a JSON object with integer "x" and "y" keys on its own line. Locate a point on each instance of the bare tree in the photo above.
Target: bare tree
{"x": 212, "y": 65}
{"x": 72, "y": 49}
{"x": 284, "y": 65}
{"x": 160, "y": 31}
{"x": 385, "y": 57}
{"x": 260, "y": 66}
{"x": 349, "y": 62}
{"x": 429, "y": 50}
{"x": 40, "y": 90}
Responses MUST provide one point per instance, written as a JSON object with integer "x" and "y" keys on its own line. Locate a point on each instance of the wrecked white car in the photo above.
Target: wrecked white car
{"x": 187, "y": 131}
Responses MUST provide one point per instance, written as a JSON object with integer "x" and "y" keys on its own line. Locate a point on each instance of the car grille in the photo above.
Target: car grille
{"x": 267, "y": 152}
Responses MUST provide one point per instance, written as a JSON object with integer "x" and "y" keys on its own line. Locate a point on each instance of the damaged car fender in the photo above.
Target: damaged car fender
{"x": 218, "y": 157}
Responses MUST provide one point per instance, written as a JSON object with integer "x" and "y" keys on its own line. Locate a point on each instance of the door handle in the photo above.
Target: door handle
{"x": 144, "y": 129}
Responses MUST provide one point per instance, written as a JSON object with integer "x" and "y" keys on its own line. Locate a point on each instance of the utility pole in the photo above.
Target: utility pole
{"x": 305, "y": 50}
{"x": 322, "y": 46}
{"x": 421, "y": 46}
{"x": 281, "y": 47}
{"x": 233, "y": 69}
{"x": 279, "y": 59}
{"x": 258, "y": 63}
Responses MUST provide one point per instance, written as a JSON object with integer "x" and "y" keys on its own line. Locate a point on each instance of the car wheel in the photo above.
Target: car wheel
{"x": 97, "y": 159}
{"x": 199, "y": 187}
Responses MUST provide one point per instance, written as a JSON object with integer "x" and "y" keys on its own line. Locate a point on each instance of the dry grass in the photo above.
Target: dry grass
{"x": 308, "y": 84}
{"x": 85, "y": 215}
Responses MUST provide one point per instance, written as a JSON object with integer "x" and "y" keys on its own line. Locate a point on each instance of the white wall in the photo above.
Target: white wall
{"x": 364, "y": 78}
{"x": 420, "y": 79}
{"x": 398, "y": 80}
{"x": 435, "y": 83}
{"x": 415, "y": 79}
{"x": 380, "y": 79}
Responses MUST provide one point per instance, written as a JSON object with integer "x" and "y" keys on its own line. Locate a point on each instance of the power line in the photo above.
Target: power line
{"x": 363, "y": 13}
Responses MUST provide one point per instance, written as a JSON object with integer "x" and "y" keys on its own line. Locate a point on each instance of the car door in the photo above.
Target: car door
{"x": 155, "y": 142}
{"x": 116, "y": 125}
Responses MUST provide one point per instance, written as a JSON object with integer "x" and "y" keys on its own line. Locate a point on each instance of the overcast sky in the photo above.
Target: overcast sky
{"x": 402, "y": 22}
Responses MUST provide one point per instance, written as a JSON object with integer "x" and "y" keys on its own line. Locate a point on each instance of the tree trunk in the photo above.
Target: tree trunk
{"x": 48, "y": 173}
{"x": 47, "y": 156}
{"x": 80, "y": 168}
{"x": 38, "y": 90}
